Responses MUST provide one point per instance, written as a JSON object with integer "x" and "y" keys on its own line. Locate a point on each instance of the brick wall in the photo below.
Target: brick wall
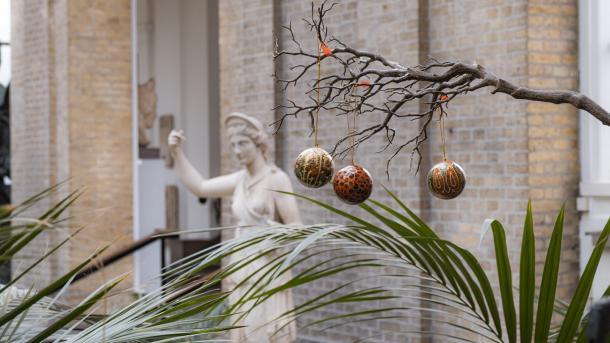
{"x": 99, "y": 106}
{"x": 553, "y": 131}
{"x": 71, "y": 118}
{"x": 388, "y": 25}
{"x": 486, "y": 134}
{"x": 391, "y": 28}
{"x": 510, "y": 149}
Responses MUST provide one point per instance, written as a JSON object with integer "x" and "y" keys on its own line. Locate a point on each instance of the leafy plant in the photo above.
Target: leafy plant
{"x": 36, "y": 315}
{"x": 411, "y": 273}
{"x": 445, "y": 276}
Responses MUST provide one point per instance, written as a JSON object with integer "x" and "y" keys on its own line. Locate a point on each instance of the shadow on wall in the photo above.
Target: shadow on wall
{"x": 5, "y": 148}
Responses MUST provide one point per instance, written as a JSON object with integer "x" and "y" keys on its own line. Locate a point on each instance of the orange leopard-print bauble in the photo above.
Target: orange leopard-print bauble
{"x": 314, "y": 167}
{"x": 353, "y": 184}
{"x": 446, "y": 180}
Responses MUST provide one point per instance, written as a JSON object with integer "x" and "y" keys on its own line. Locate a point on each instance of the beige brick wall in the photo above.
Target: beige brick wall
{"x": 553, "y": 130}
{"x": 71, "y": 118}
{"x": 389, "y": 27}
{"x": 486, "y": 134}
{"x": 99, "y": 105}
{"x": 510, "y": 149}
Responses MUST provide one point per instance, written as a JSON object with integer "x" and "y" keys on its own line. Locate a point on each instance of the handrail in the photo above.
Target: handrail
{"x": 128, "y": 250}
{"x": 158, "y": 234}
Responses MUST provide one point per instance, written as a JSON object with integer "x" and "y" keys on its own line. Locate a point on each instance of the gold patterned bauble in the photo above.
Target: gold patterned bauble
{"x": 353, "y": 184}
{"x": 314, "y": 167}
{"x": 446, "y": 180}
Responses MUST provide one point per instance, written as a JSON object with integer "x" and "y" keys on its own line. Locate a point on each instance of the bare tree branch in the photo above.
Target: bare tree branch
{"x": 384, "y": 86}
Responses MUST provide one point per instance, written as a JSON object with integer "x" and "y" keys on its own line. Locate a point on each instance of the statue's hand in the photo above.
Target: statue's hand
{"x": 175, "y": 140}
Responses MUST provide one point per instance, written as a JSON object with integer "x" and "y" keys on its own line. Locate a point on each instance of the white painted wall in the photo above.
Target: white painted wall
{"x": 148, "y": 260}
{"x": 594, "y": 201}
{"x": 175, "y": 42}
{"x": 5, "y": 36}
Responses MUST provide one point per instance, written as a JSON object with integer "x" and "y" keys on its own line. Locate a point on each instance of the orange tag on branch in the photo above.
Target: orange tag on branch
{"x": 325, "y": 49}
{"x": 364, "y": 82}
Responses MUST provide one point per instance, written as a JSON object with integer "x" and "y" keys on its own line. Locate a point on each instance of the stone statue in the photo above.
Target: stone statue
{"x": 147, "y": 110}
{"x": 253, "y": 204}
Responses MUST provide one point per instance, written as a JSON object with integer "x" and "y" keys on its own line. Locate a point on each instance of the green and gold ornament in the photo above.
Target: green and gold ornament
{"x": 314, "y": 167}
{"x": 447, "y": 179}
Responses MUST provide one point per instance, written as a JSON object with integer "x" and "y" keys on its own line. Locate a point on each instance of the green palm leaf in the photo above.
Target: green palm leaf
{"x": 76, "y": 312}
{"x": 449, "y": 257}
{"x": 527, "y": 277}
{"x": 573, "y": 317}
{"x": 466, "y": 257}
{"x": 505, "y": 279}
{"x": 411, "y": 273}
{"x": 48, "y": 290}
{"x": 582, "y": 336}
{"x": 549, "y": 282}
{"x": 429, "y": 248}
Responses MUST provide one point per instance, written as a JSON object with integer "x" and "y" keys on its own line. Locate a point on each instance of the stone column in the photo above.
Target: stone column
{"x": 71, "y": 118}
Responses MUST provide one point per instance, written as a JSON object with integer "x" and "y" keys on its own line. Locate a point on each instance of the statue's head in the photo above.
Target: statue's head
{"x": 247, "y": 136}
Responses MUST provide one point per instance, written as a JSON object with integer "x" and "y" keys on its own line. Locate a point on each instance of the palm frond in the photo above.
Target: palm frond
{"x": 391, "y": 266}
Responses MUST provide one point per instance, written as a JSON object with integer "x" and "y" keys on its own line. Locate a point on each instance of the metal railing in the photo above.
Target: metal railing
{"x": 159, "y": 235}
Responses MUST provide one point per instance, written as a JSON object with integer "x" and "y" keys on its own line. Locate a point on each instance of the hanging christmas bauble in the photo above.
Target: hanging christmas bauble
{"x": 353, "y": 184}
{"x": 446, "y": 180}
{"x": 314, "y": 167}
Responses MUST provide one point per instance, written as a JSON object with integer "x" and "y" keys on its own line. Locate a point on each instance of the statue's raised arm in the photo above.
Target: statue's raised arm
{"x": 254, "y": 201}
{"x": 192, "y": 179}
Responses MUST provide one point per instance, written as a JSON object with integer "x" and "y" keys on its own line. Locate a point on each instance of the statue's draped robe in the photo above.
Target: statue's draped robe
{"x": 253, "y": 206}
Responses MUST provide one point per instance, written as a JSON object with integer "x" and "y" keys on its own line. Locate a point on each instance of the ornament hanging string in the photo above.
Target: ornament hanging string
{"x": 351, "y": 125}
{"x": 442, "y": 128}
{"x": 315, "y": 137}
{"x": 314, "y": 166}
